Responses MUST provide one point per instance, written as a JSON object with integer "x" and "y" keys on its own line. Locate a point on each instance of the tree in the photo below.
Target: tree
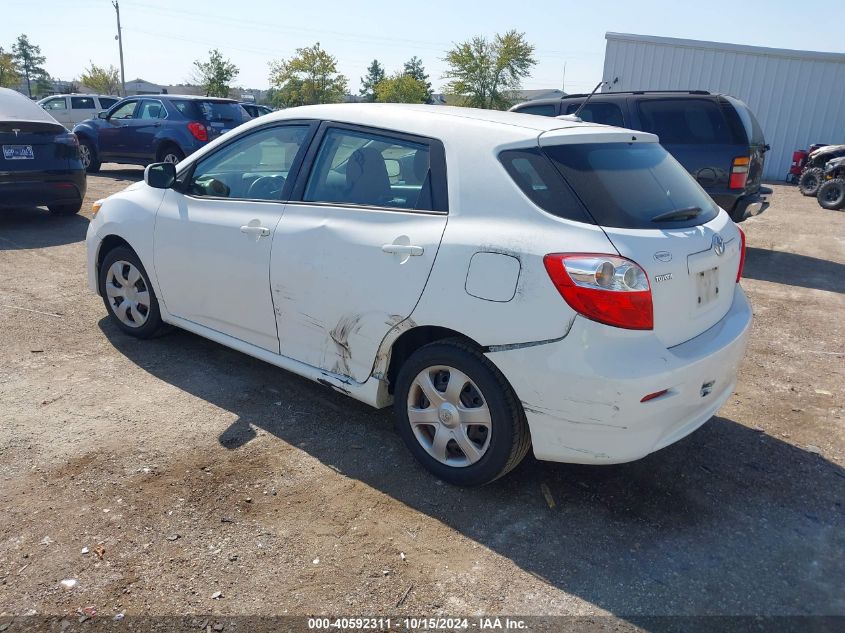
{"x": 215, "y": 74}
{"x": 29, "y": 62}
{"x": 101, "y": 79}
{"x": 401, "y": 88}
{"x": 414, "y": 68}
{"x": 487, "y": 73}
{"x": 375, "y": 74}
{"x": 9, "y": 77}
{"x": 307, "y": 78}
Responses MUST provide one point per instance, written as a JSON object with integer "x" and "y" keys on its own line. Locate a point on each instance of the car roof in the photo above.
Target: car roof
{"x": 16, "y": 107}
{"x": 426, "y": 120}
{"x": 604, "y": 96}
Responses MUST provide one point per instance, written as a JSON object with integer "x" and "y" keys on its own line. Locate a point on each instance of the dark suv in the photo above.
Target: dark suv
{"x": 715, "y": 137}
{"x": 155, "y": 128}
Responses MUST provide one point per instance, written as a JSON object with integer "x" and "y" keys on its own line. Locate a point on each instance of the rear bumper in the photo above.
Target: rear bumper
{"x": 42, "y": 188}
{"x": 581, "y": 395}
{"x": 752, "y": 204}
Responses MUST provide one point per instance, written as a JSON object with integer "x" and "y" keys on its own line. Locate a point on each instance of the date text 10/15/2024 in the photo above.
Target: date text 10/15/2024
{"x": 416, "y": 624}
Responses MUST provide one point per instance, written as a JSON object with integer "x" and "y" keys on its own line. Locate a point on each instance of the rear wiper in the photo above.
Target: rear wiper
{"x": 687, "y": 213}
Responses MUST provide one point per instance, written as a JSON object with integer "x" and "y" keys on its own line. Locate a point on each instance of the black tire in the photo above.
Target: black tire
{"x": 810, "y": 181}
{"x": 94, "y": 164}
{"x": 831, "y": 194}
{"x": 65, "y": 209}
{"x": 170, "y": 153}
{"x": 509, "y": 439}
{"x": 153, "y": 323}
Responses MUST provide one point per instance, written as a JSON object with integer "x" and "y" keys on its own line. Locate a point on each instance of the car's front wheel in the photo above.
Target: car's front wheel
{"x": 458, "y": 415}
{"x": 810, "y": 181}
{"x": 128, "y": 295}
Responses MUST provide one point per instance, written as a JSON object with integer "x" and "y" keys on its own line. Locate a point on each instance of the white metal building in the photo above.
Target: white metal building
{"x": 798, "y": 96}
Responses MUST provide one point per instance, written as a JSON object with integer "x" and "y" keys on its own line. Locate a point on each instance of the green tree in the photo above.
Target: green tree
{"x": 215, "y": 74}
{"x": 401, "y": 88}
{"x": 9, "y": 77}
{"x": 307, "y": 78}
{"x": 29, "y": 62}
{"x": 487, "y": 73}
{"x": 375, "y": 74}
{"x": 104, "y": 80}
{"x": 414, "y": 68}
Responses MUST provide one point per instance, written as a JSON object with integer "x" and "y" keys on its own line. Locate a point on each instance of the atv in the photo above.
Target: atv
{"x": 812, "y": 176}
{"x": 831, "y": 194}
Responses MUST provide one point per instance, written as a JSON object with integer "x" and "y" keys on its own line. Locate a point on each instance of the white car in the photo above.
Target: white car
{"x": 506, "y": 281}
{"x": 76, "y": 108}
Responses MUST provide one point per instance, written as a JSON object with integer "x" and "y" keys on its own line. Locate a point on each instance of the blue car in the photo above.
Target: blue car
{"x": 155, "y": 128}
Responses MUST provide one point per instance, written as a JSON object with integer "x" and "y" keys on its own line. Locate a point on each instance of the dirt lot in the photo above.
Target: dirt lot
{"x": 200, "y": 470}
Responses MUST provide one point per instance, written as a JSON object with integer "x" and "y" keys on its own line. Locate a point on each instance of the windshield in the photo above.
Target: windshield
{"x": 627, "y": 185}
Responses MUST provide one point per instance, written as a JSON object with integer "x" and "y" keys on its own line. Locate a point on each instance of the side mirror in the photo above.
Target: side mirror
{"x": 102, "y": 114}
{"x": 160, "y": 175}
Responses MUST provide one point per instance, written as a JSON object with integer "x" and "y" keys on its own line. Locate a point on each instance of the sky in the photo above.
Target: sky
{"x": 162, "y": 38}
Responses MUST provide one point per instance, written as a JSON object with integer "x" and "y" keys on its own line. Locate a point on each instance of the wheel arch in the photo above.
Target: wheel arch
{"x": 408, "y": 342}
{"x": 165, "y": 142}
{"x": 107, "y": 244}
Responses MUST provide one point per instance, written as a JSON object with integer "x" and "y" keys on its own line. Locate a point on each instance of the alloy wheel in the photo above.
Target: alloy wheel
{"x": 449, "y": 416}
{"x": 128, "y": 294}
{"x": 84, "y": 155}
{"x": 170, "y": 157}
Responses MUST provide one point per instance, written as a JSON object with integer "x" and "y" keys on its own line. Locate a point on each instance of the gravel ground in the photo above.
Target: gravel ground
{"x": 199, "y": 480}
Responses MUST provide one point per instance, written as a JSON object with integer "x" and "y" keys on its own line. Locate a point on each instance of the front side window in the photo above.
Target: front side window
{"x": 82, "y": 103}
{"x": 152, "y": 110}
{"x": 255, "y": 167}
{"x": 124, "y": 111}
{"x": 55, "y": 104}
{"x": 363, "y": 168}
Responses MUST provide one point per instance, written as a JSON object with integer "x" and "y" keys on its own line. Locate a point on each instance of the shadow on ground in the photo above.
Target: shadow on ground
{"x": 34, "y": 227}
{"x": 122, "y": 174}
{"x": 727, "y": 521}
{"x": 794, "y": 269}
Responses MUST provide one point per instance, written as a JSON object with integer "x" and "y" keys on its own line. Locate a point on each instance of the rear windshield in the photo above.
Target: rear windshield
{"x": 212, "y": 111}
{"x": 626, "y": 185}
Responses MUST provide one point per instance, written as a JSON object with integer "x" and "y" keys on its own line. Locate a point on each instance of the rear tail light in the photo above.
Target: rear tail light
{"x": 741, "y": 254}
{"x": 605, "y": 288}
{"x": 198, "y": 131}
{"x": 739, "y": 172}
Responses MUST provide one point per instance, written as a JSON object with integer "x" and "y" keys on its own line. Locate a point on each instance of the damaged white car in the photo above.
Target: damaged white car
{"x": 506, "y": 281}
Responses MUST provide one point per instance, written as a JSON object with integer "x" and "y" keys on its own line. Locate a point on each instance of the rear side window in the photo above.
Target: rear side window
{"x": 535, "y": 175}
{"x": 685, "y": 121}
{"x": 625, "y": 185}
{"x": 548, "y": 109}
{"x": 107, "y": 102}
{"x": 152, "y": 110}
{"x": 604, "y": 113}
{"x": 82, "y": 103}
{"x": 361, "y": 168}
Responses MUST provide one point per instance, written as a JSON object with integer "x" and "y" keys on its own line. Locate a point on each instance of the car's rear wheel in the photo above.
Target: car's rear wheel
{"x": 810, "y": 181}
{"x": 88, "y": 156}
{"x": 65, "y": 209}
{"x": 170, "y": 154}
{"x": 831, "y": 194}
{"x": 458, "y": 415}
{"x": 128, "y": 295}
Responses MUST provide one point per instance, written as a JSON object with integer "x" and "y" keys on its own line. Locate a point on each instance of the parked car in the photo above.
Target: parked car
{"x": 812, "y": 175}
{"x": 583, "y": 297}
{"x": 40, "y": 164}
{"x": 75, "y": 108}
{"x": 142, "y": 130}
{"x": 831, "y": 194}
{"x": 715, "y": 137}
{"x": 254, "y": 110}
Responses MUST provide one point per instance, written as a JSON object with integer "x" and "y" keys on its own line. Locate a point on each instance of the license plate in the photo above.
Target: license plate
{"x": 707, "y": 284}
{"x": 18, "y": 152}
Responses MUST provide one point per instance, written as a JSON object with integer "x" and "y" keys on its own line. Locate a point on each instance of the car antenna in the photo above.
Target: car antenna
{"x": 587, "y": 100}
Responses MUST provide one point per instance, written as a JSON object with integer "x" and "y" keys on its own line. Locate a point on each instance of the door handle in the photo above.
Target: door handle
{"x": 259, "y": 231}
{"x": 403, "y": 249}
